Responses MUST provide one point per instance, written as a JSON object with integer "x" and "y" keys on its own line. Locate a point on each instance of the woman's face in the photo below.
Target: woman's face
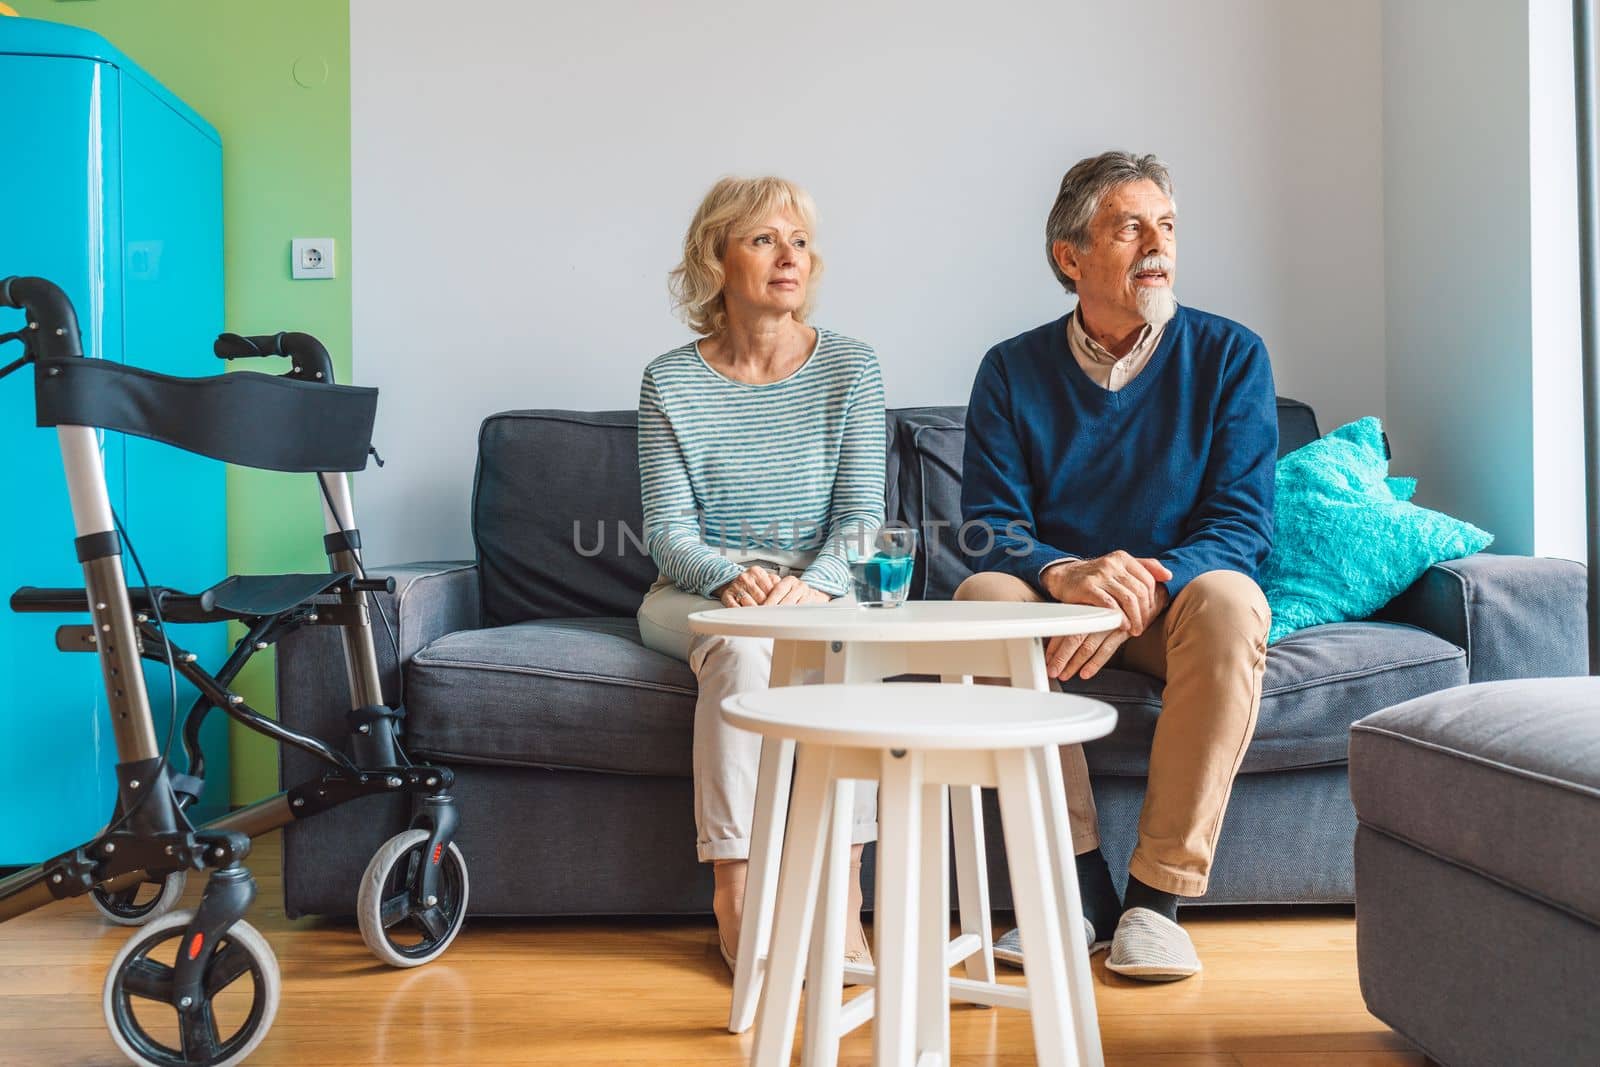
{"x": 766, "y": 268}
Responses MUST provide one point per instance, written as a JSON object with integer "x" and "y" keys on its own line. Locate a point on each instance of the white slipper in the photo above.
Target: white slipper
{"x": 1151, "y": 947}
{"x": 1009, "y": 948}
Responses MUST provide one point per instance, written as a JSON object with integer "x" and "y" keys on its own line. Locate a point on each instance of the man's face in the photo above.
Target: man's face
{"x": 1128, "y": 268}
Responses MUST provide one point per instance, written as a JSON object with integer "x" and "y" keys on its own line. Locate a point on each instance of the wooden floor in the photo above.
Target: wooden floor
{"x": 1279, "y": 987}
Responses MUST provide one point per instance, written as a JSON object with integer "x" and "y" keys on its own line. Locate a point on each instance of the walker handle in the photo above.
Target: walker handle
{"x": 52, "y": 329}
{"x": 309, "y": 358}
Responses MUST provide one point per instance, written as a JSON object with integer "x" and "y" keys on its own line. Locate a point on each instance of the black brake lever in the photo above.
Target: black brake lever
{"x": 18, "y": 363}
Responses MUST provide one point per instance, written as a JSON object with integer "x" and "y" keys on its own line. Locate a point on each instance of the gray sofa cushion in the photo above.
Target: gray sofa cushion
{"x": 559, "y": 528}
{"x": 1297, "y": 425}
{"x": 556, "y": 515}
{"x": 1318, "y": 682}
{"x": 581, "y": 694}
{"x": 1501, "y": 778}
{"x": 549, "y": 485}
{"x": 930, "y": 442}
{"x": 584, "y": 694}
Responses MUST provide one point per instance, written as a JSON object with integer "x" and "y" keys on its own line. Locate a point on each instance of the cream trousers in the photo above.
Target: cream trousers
{"x": 725, "y": 758}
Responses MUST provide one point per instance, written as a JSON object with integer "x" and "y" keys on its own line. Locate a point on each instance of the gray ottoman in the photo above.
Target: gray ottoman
{"x": 1478, "y": 870}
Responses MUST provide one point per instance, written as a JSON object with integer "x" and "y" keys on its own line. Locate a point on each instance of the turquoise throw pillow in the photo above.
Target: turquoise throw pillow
{"x": 1348, "y": 540}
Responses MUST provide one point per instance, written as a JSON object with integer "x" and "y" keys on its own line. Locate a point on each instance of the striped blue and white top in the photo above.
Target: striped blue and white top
{"x": 785, "y": 470}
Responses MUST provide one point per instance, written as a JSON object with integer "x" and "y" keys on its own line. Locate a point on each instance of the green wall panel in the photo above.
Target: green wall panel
{"x": 273, "y": 76}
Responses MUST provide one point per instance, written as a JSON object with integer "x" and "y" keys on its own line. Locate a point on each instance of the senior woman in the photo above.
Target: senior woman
{"x": 761, "y": 450}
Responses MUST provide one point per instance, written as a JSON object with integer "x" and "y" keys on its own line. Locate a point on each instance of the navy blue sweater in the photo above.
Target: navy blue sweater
{"x": 1177, "y": 465}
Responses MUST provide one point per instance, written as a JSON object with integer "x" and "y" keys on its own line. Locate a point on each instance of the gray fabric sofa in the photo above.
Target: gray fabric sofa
{"x": 523, "y": 671}
{"x": 1478, "y": 870}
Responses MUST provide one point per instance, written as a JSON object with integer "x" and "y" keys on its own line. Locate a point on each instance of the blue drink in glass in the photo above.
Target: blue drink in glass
{"x": 880, "y": 572}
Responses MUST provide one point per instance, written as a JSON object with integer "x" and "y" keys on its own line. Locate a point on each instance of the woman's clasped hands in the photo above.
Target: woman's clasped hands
{"x": 757, "y": 586}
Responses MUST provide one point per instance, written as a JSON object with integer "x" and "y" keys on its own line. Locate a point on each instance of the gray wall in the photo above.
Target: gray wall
{"x": 523, "y": 175}
{"x": 1455, "y": 111}
{"x": 1479, "y": 228}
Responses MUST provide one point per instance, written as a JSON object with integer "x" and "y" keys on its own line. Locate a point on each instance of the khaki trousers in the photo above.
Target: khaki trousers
{"x": 1210, "y": 647}
{"x": 726, "y": 758}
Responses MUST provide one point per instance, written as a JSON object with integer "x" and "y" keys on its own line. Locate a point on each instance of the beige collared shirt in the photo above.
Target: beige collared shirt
{"x": 1104, "y": 369}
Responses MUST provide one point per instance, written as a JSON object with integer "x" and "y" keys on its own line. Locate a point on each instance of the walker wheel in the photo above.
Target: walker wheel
{"x": 242, "y": 987}
{"x": 126, "y": 908}
{"x": 398, "y": 932}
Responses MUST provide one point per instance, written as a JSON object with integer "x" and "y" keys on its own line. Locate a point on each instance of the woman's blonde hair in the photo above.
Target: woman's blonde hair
{"x": 733, "y": 205}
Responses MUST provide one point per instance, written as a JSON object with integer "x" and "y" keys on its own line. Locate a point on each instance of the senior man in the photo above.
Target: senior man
{"x": 1135, "y": 439}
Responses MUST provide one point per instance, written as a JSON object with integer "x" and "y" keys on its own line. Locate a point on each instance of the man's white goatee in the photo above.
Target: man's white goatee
{"x": 1157, "y": 305}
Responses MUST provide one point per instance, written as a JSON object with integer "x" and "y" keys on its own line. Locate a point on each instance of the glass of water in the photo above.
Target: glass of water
{"x": 881, "y": 565}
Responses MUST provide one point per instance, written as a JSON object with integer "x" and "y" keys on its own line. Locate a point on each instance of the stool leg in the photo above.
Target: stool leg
{"x": 1038, "y": 916}
{"x": 933, "y": 937}
{"x": 825, "y": 971}
{"x": 972, "y": 867}
{"x": 895, "y": 921}
{"x": 1080, "y": 980}
{"x": 797, "y": 897}
{"x": 972, "y": 877}
{"x": 773, "y": 777}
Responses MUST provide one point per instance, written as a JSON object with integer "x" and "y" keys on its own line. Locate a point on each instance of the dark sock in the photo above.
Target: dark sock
{"x": 1100, "y": 904}
{"x": 1140, "y": 895}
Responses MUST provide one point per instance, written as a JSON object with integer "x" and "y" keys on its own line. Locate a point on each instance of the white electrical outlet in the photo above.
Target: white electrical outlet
{"x": 311, "y": 257}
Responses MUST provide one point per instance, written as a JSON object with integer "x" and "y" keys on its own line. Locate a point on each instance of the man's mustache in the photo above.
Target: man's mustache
{"x": 1160, "y": 263}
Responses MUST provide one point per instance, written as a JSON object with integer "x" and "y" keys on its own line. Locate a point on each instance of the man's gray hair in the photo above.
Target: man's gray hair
{"x": 1082, "y": 189}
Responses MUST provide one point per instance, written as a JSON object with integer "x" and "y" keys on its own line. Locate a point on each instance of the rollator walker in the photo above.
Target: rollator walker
{"x": 413, "y": 897}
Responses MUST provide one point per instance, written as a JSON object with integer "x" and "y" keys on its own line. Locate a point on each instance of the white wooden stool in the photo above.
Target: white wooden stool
{"x": 917, "y": 740}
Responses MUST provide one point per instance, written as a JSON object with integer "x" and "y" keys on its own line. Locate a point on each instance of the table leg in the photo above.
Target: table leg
{"x": 773, "y": 778}
{"x": 785, "y": 657}
{"x": 1026, "y": 656}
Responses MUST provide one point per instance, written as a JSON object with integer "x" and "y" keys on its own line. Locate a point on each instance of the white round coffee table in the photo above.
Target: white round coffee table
{"x": 954, "y": 640}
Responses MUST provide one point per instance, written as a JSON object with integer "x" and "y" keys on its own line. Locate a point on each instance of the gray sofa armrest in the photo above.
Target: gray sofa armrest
{"x": 323, "y": 856}
{"x": 431, "y": 599}
{"x": 1516, "y": 616}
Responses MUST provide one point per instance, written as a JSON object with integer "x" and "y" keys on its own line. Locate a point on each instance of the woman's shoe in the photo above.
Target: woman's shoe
{"x": 727, "y": 903}
{"x": 860, "y": 956}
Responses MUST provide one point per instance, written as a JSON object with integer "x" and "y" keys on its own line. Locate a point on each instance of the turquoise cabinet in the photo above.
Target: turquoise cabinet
{"x": 111, "y": 188}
